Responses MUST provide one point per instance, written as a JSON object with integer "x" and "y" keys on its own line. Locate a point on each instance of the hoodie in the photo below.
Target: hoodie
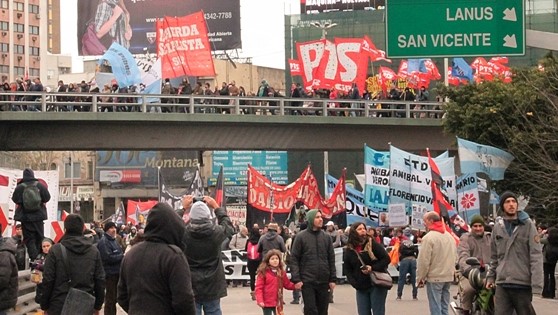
{"x": 271, "y": 240}
{"x": 30, "y": 216}
{"x": 8, "y": 275}
{"x": 516, "y": 254}
{"x": 312, "y": 255}
{"x": 165, "y": 285}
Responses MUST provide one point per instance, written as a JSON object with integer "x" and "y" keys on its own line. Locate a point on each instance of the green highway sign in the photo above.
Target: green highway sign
{"x": 454, "y": 28}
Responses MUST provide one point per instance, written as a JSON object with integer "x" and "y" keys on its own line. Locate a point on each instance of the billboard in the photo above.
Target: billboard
{"x": 131, "y": 23}
{"x": 321, "y": 6}
{"x": 139, "y": 168}
{"x": 235, "y": 165}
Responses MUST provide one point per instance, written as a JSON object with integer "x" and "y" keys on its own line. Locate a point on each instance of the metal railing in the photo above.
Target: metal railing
{"x": 197, "y": 104}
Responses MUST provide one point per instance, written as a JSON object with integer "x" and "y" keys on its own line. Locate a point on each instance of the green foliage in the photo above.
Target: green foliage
{"x": 520, "y": 117}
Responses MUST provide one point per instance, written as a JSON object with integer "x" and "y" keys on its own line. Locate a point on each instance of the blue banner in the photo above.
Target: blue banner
{"x": 123, "y": 64}
{"x": 356, "y": 210}
{"x": 468, "y": 195}
{"x": 475, "y": 157}
{"x": 461, "y": 69}
{"x": 376, "y": 178}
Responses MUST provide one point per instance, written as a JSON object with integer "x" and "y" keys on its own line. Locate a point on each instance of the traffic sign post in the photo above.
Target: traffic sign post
{"x": 454, "y": 28}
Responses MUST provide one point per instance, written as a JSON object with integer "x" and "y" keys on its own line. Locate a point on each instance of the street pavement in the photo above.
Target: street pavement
{"x": 238, "y": 302}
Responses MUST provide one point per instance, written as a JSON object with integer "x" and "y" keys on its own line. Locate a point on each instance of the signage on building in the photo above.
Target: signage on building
{"x": 322, "y": 6}
{"x": 222, "y": 17}
{"x": 120, "y": 176}
{"x": 85, "y": 193}
{"x": 455, "y": 28}
{"x": 235, "y": 164}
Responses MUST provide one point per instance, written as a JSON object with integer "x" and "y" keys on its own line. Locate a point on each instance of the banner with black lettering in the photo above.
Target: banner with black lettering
{"x": 355, "y": 209}
{"x": 410, "y": 179}
{"x": 376, "y": 178}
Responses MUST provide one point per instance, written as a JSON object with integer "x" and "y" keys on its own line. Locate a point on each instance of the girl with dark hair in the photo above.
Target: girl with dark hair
{"x": 272, "y": 278}
{"x": 254, "y": 258}
{"x": 370, "y": 299}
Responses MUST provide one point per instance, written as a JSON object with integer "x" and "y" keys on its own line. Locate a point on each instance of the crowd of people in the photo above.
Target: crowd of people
{"x": 182, "y": 271}
{"x": 339, "y": 102}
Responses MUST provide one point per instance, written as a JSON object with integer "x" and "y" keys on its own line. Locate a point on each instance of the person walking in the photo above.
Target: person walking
{"x": 550, "y": 258}
{"x": 271, "y": 280}
{"x": 436, "y": 263}
{"x": 84, "y": 268}
{"x": 238, "y": 242}
{"x": 8, "y": 275}
{"x": 313, "y": 264}
{"x": 475, "y": 243}
{"x": 516, "y": 264}
{"x": 164, "y": 285}
{"x": 254, "y": 258}
{"x": 271, "y": 240}
{"x": 202, "y": 246}
{"x": 30, "y": 197}
{"x": 111, "y": 255}
{"x": 370, "y": 299}
{"x": 408, "y": 254}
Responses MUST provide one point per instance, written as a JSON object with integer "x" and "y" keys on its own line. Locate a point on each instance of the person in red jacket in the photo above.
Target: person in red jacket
{"x": 270, "y": 281}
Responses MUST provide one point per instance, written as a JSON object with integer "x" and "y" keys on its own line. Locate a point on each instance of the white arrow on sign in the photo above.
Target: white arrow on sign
{"x": 510, "y": 42}
{"x": 509, "y": 15}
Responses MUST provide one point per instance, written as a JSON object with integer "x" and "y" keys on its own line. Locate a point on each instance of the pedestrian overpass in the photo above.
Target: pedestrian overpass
{"x": 196, "y": 124}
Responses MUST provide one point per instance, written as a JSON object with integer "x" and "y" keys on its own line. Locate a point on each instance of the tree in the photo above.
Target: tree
{"x": 520, "y": 117}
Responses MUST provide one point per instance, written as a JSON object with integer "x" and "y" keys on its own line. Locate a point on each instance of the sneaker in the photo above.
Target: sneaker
{"x": 415, "y": 298}
{"x": 398, "y": 298}
{"x": 253, "y": 295}
{"x": 295, "y": 302}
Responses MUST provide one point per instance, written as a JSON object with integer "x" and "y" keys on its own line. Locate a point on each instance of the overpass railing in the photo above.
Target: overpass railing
{"x": 198, "y": 104}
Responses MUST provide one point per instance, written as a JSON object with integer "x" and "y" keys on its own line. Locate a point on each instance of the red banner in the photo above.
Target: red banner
{"x": 137, "y": 211}
{"x": 183, "y": 46}
{"x": 294, "y": 66}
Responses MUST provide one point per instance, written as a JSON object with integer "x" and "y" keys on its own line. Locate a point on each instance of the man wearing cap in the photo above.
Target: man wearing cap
{"x": 202, "y": 245}
{"x": 333, "y": 234}
{"x": 271, "y": 240}
{"x": 313, "y": 264}
{"x": 476, "y": 243}
{"x": 516, "y": 264}
{"x": 84, "y": 267}
{"x": 111, "y": 255}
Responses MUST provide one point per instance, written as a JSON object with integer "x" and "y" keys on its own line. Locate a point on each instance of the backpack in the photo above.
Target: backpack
{"x": 252, "y": 251}
{"x": 31, "y": 197}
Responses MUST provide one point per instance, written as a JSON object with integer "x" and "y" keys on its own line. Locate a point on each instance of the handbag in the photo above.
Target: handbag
{"x": 378, "y": 278}
{"x": 90, "y": 43}
{"x": 77, "y": 301}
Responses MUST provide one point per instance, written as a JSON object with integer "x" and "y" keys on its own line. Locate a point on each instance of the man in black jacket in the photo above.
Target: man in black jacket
{"x": 202, "y": 246}
{"x": 164, "y": 285}
{"x": 31, "y": 219}
{"x": 8, "y": 275}
{"x": 84, "y": 267}
{"x": 313, "y": 264}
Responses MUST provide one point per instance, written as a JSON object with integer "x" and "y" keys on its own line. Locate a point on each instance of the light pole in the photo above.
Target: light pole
{"x": 324, "y": 26}
{"x": 71, "y": 182}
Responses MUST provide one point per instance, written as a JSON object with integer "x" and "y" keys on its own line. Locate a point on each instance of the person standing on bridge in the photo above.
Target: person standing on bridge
{"x": 202, "y": 246}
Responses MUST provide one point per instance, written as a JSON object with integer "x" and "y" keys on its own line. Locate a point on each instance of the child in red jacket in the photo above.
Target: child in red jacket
{"x": 270, "y": 281}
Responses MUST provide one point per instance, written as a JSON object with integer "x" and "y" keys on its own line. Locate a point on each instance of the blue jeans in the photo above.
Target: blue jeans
{"x": 371, "y": 301}
{"x": 407, "y": 266}
{"x": 212, "y": 307}
{"x": 438, "y": 297}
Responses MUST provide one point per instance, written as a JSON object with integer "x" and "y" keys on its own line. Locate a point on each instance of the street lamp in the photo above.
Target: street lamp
{"x": 71, "y": 182}
{"x": 323, "y": 26}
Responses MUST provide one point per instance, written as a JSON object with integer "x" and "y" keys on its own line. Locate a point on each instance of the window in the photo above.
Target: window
{"x": 89, "y": 170}
{"x": 4, "y": 26}
{"x": 19, "y": 49}
{"x": 53, "y": 167}
{"x": 33, "y": 30}
{"x": 34, "y": 51}
{"x": 4, "y": 69}
{"x": 68, "y": 170}
{"x": 20, "y": 28}
{"x": 4, "y": 4}
{"x": 33, "y": 72}
{"x": 19, "y": 6}
{"x": 33, "y": 8}
{"x": 4, "y": 47}
{"x": 19, "y": 71}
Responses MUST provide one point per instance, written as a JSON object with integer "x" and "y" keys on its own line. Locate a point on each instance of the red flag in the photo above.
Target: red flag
{"x": 370, "y": 49}
{"x": 183, "y": 46}
{"x": 294, "y": 65}
{"x": 219, "y": 192}
{"x": 500, "y": 60}
{"x": 402, "y": 72}
{"x": 432, "y": 70}
{"x": 3, "y": 221}
{"x": 387, "y": 74}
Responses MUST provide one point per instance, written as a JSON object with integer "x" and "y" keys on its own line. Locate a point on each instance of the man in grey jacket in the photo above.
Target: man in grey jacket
{"x": 516, "y": 260}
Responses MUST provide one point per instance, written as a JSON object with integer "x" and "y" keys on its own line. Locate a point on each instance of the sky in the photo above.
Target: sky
{"x": 262, "y": 26}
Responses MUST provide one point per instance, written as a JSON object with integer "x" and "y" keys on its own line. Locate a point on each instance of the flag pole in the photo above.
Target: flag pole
{"x": 159, "y": 183}
{"x": 271, "y": 201}
{"x": 326, "y": 172}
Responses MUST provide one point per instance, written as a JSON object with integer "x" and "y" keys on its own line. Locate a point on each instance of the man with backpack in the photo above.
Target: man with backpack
{"x": 30, "y": 197}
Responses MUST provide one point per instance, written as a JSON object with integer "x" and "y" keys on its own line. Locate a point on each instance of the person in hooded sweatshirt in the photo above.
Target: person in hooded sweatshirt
{"x": 8, "y": 275}
{"x": 202, "y": 245}
{"x": 313, "y": 264}
{"x": 84, "y": 266}
{"x": 31, "y": 220}
{"x": 164, "y": 286}
{"x": 516, "y": 263}
{"x": 271, "y": 240}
